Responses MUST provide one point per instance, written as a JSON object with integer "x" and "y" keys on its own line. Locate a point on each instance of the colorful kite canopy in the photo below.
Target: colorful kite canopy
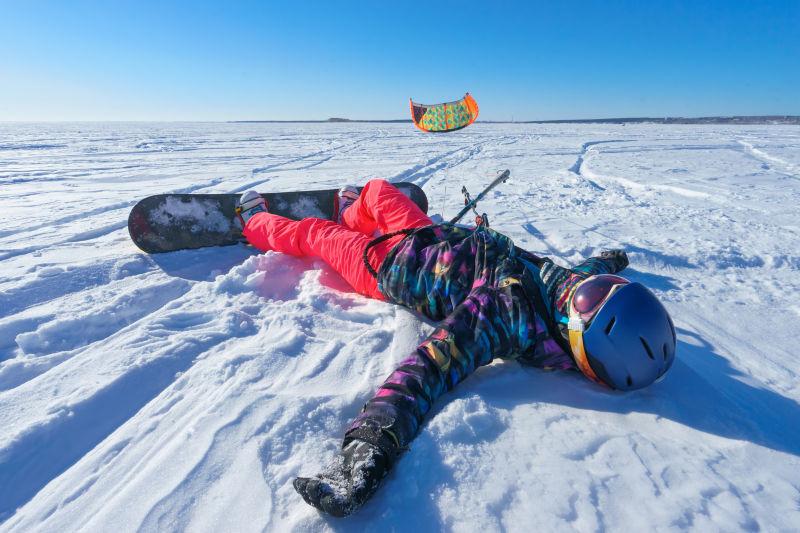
{"x": 449, "y": 116}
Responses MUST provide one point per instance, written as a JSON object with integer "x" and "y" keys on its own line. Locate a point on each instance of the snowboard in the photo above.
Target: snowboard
{"x": 169, "y": 222}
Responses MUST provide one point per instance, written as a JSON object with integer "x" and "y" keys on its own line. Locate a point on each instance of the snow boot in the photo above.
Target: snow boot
{"x": 346, "y": 196}
{"x": 249, "y": 204}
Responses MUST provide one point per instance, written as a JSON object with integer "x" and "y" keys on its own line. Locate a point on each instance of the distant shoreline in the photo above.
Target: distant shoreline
{"x": 744, "y": 120}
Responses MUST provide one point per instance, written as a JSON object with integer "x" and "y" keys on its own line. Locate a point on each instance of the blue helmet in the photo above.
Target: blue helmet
{"x": 620, "y": 334}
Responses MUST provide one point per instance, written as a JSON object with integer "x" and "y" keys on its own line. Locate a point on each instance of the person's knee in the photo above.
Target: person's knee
{"x": 378, "y": 182}
{"x": 377, "y": 185}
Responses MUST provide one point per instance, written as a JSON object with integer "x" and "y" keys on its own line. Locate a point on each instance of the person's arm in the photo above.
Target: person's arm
{"x": 560, "y": 282}
{"x": 491, "y": 322}
{"x": 608, "y": 262}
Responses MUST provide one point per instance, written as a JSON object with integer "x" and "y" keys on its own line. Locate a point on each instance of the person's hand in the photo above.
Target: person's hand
{"x": 349, "y": 481}
{"x": 618, "y": 258}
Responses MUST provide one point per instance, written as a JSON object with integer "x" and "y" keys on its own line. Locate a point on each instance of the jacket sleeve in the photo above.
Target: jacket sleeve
{"x": 491, "y": 322}
{"x": 608, "y": 262}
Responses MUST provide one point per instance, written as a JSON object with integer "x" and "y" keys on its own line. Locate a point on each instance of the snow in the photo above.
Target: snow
{"x": 185, "y": 391}
{"x": 300, "y": 207}
{"x": 204, "y": 214}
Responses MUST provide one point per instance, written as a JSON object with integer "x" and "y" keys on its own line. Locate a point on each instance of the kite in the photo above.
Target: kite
{"x": 449, "y": 116}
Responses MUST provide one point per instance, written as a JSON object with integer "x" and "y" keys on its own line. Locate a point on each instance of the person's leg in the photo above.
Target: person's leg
{"x": 382, "y": 206}
{"x": 338, "y": 246}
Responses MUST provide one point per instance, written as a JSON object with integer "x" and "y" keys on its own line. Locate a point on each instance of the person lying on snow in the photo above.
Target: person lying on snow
{"x": 491, "y": 299}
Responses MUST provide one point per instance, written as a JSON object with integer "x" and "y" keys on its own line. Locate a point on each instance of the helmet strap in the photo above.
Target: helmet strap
{"x": 579, "y": 351}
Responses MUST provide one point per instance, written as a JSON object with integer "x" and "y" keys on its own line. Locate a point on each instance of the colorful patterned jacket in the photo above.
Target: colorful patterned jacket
{"x": 479, "y": 286}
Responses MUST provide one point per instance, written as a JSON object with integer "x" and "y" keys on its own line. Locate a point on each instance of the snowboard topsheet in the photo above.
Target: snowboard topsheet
{"x": 169, "y": 222}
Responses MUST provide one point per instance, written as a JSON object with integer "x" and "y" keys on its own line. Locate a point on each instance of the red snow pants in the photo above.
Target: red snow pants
{"x": 380, "y": 207}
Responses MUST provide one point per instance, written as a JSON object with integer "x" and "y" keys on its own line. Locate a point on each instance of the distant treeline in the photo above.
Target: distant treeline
{"x": 756, "y": 119}
{"x": 333, "y": 119}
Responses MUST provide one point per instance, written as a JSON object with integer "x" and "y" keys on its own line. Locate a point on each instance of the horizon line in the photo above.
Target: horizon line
{"x": 711, "y": 119}
{"x": 790, "y": 119}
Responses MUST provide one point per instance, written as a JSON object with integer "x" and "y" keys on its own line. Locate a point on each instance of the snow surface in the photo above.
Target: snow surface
{"x": 205, "y": 213}
{"x": 185, "y": 391}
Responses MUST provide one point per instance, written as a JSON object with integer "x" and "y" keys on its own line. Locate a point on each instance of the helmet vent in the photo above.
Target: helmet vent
{"x": 610, "y": 325}
{"x": 665, "y": 351}
{"x": 629, "y": 381}
{"x": 647, "y": 349}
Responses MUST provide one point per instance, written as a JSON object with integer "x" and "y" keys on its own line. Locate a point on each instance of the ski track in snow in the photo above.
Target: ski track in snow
{"x": 185, "y": 391}
{"x": 769, "y": 161}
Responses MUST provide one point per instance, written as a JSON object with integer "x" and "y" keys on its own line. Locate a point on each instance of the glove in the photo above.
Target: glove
{"x": 349, "y": 481}
{"x": 617, "y": 258}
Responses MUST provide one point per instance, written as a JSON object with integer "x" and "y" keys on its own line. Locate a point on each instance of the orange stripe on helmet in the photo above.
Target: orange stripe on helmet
{"x": 579, "y": 351}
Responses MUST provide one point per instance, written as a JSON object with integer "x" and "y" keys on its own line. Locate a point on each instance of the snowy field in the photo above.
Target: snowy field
{"x": 185, "y": 391}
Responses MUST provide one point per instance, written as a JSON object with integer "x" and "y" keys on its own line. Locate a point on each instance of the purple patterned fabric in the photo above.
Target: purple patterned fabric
{"x": 474, "y": 281}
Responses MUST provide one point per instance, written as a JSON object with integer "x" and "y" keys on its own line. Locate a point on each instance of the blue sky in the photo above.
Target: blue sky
{"x": 143, "y": 60}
